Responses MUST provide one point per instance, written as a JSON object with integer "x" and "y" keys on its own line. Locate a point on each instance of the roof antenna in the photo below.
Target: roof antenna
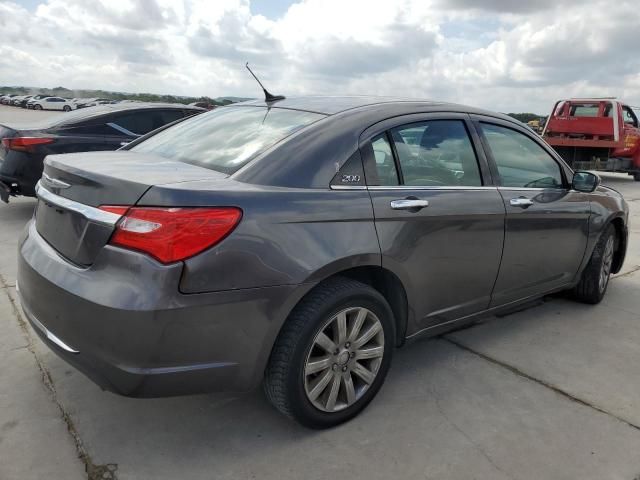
{"x": 267, "y": 96}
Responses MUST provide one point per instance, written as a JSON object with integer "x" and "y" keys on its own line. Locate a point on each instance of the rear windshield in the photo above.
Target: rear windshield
{"x": 226, "y": 138}
{"x": 585, "y": 110}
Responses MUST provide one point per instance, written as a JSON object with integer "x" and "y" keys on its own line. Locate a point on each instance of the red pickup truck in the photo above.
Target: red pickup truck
{"x": 595, "y": 134}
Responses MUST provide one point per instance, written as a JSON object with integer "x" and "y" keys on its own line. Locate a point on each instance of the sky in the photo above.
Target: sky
{"x": 503, "y": 55}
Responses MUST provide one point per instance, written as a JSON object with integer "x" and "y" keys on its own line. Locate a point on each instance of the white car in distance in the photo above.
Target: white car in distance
{"x": 54, "y": 103}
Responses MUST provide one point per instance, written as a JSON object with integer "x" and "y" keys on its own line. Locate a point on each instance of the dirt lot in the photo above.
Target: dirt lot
{"x": 552, "y": 392}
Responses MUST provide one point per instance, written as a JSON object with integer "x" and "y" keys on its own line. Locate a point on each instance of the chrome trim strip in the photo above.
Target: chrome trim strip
{"x": 515, "y": 189}
{"x": 90, "y": 213}
{"x": 347, "y": 187}
{"x": 117, "y": 127}
{"x": 46, "y": 332}
{"x": 52, "y": 337}
{"x": 415, "y": 187}
{"x": 53, "y": 182}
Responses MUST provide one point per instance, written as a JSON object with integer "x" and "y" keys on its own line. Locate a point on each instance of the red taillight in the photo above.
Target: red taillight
{"x": 172, "y": 234}
{"x": 25, "y": 144}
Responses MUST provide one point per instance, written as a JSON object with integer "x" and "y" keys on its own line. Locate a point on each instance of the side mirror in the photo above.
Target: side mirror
{"x": 585, "y": 181}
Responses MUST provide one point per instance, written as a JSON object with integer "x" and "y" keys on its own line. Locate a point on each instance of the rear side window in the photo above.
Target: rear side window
{"x": 521, "y": 162}
{"x": 226, "y": 138}
{"x": 436, "y": 153}
{"x": 433, "y": 153}
{"x": 138, "y": 123}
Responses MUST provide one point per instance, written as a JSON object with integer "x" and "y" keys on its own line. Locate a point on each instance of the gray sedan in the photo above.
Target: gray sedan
{"x": 297, "y": 243}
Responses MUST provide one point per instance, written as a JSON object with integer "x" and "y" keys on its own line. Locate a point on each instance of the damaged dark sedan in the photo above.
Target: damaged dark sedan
{"x": 296, "y": 243}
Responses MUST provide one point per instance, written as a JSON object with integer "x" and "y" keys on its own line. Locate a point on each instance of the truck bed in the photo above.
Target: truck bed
{"x": 597, "y": 132}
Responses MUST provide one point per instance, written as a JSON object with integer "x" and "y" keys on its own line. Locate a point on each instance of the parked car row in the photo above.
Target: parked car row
{"x": 46, "y": 102}
{"x": 39, "y": 102}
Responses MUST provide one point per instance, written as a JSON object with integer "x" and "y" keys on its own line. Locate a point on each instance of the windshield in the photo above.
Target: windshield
{"x": 226, "y": 138}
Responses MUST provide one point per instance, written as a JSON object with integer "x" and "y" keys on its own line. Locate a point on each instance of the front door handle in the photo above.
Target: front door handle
{"x": 409, "y": 204}
{"x": 521, "y": 202}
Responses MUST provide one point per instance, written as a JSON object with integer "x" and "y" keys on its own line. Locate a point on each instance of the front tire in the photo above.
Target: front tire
{"x": 37, "y": 107}
{"x": 595, "y": 277}
{"x": 636, "y": 176}
{"x": 332, "y": 355}
{"x": 66, "y": 108}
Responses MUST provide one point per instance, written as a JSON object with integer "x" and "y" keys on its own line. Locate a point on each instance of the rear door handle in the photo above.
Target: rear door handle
{"x": 521, "y": 202}
{"x": 409, "y": 204}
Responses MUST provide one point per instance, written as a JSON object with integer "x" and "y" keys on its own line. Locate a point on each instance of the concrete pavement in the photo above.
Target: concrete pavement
{"x": 551, "y": 392}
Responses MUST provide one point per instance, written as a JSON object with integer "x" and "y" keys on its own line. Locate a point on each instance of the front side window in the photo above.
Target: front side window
{"x": 521, "y": 162}
{"x": 629, "y": 117}
{"x": 168, "y": 116}
{"x": 226, "y": 138}
{"x": 436, "y": 153}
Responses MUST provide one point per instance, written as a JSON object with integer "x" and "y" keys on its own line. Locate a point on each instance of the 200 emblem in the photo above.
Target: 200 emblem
{"x": 350, "y": 178}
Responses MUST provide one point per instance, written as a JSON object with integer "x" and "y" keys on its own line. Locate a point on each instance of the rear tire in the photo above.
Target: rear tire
{"x": 636, "y": 176}
{"x": 595, "y": 277}
{"x": 332, "y": 354}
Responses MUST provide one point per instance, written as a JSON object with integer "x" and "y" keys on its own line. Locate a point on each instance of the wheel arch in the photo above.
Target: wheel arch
{"x": 381, "y": 279}
{"x": 390, "y": 287}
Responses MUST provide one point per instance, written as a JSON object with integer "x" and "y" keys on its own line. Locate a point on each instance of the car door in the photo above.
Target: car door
{"x": 547, "y": 223}
{"x": 55, "y": 103}
{"x": 439, "y": 219}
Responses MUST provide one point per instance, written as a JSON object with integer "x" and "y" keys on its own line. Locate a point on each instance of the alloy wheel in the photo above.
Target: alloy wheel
{"x": 344, "y": 359}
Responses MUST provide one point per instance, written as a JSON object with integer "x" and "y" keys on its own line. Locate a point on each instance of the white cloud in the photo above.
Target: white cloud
{"x": 497, "y": 54}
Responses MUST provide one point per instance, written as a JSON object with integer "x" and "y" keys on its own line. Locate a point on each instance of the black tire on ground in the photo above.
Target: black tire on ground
{"x": 592, "y": 287}
{"x": 66, "y": 108}
{"x": 37, "y": 107}
{"x": 284, "y": 381}
{"x": 636, "y": 176}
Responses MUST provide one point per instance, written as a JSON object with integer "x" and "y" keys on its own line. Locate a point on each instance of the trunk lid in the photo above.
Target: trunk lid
{"x": 74, "y": 186}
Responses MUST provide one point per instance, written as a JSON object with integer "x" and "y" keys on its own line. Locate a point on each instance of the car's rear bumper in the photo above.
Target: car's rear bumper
{"x": 124, "y": 323}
